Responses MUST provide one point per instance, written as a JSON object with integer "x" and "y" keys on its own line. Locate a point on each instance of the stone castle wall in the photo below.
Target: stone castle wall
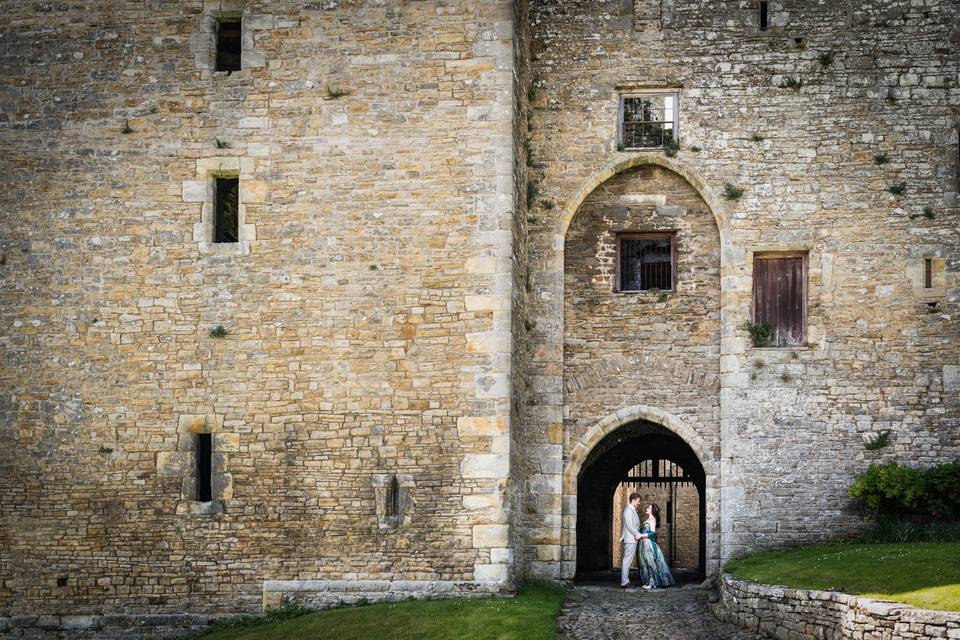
{"x": 368, "y": 303}
{"x": 396, "y": 305}
{"x": 877, "y": 78}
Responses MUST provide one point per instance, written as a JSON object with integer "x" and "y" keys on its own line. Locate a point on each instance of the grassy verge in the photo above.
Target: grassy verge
{"x": 529, "y": 616}
{"x": 925, "y": 575}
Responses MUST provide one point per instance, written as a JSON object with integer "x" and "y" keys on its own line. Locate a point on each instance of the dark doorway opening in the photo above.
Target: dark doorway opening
{"x": 645, "y": 457}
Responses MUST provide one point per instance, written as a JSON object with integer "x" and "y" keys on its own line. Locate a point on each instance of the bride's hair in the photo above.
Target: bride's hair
{"x": 655, "y": 512}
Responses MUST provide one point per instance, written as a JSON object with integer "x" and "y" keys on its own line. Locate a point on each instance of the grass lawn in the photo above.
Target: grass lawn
{"x": 925, "y": 575}
{"x": 531, "y": 615}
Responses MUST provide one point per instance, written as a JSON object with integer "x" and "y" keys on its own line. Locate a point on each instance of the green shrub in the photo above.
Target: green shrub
{"x": 941, "y": 491}
{"x": 892, "y": 490}
{"x": 888, "y": 489}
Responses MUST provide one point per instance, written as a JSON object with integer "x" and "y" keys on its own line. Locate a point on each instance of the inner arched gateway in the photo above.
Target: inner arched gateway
{"x": 656, "y": 463}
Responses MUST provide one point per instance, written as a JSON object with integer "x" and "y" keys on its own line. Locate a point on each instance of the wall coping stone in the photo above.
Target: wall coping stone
{"x": 322, "y": 594}
{"x": 418, "y": 586}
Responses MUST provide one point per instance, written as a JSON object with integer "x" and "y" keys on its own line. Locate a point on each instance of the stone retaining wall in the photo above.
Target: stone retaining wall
{"x": 323, "y": 594}
{"x": 102, "y": 627}
{"x": 787, "y": 614}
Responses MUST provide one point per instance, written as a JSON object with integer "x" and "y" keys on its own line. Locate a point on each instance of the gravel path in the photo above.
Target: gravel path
{"x": 609, "y": 613}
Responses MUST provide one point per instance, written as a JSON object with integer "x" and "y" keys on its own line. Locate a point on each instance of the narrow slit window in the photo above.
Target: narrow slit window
{"x": 648, "y": 120}
{"x": 226, "y": 222}
{"x": 780, "y": 298}
{"x": 928, "y": 273}
{"x": 228, "y": 45}
{"x": 393, "y": 498}
{"x": 764, "y": 16}
{"x": 204, "y": 467}
{"x": 645, "y": 262}
{"x": 669, "y": 512}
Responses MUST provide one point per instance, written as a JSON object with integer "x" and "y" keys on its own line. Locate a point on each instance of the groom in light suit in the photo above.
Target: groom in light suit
{"x": 629, "y": 538}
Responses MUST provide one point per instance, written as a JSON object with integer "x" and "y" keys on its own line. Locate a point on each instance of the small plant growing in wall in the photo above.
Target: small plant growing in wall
{"x": 898, "y": 189}
{"x": 219, "y": 331}
{"x": 671, "y": 147}
{"x": 881, "y": 158}
{"x": 105, "y": 450}
{"x": 532, "y": 192}
{"x": 786, "y": 377}
{"x": 533, "y": 88}
{"x": 825, "y": 58}
{"x": 891, "y": 96}
{"x": 791, "y": 82}
{"x": 220, "y": 144}
{"x": 759, "y": 333}
{"x": 731, "y": 191}
{"x": 620, "y": 146}
{"x": 335, "y": 92}
{"x": 663, "y": 297}
{"x": 548, "y": 205}
{"x": 756, "y": 138}
{"x": 695, "y": 149}
{"x": 877, "y": 441}
{"x": 126, "y": 127}
{"x": 928, "y": 213}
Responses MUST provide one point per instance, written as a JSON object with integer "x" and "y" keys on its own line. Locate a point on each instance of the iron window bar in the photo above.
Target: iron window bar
{"x": 648, "y": 121}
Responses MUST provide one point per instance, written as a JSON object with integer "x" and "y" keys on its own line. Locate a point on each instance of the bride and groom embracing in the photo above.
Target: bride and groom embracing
{"x": 654, "y": 571}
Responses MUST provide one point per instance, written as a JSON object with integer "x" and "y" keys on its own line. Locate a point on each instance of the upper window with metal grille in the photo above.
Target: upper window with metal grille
{"x": 648, "y": 120}
{"x": 645, "y": 262}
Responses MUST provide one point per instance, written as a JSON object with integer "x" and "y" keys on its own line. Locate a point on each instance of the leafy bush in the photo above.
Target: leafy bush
{"x": 893, "y": 490}
{"x": 941, "y": 491}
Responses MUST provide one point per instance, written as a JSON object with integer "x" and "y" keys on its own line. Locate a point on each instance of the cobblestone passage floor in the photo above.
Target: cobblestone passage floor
{"x": 608, "y": 613}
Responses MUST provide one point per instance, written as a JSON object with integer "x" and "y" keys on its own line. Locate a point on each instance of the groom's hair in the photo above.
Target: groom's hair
{"x": 634, "y": 496}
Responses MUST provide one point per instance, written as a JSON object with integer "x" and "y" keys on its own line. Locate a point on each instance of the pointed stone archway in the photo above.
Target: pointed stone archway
{"x": 666, "y": 435}
{"x": 553, "y": 525}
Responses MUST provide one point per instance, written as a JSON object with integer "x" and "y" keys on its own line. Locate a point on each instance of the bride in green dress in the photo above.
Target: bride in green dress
{"x": 654, "y": 571}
